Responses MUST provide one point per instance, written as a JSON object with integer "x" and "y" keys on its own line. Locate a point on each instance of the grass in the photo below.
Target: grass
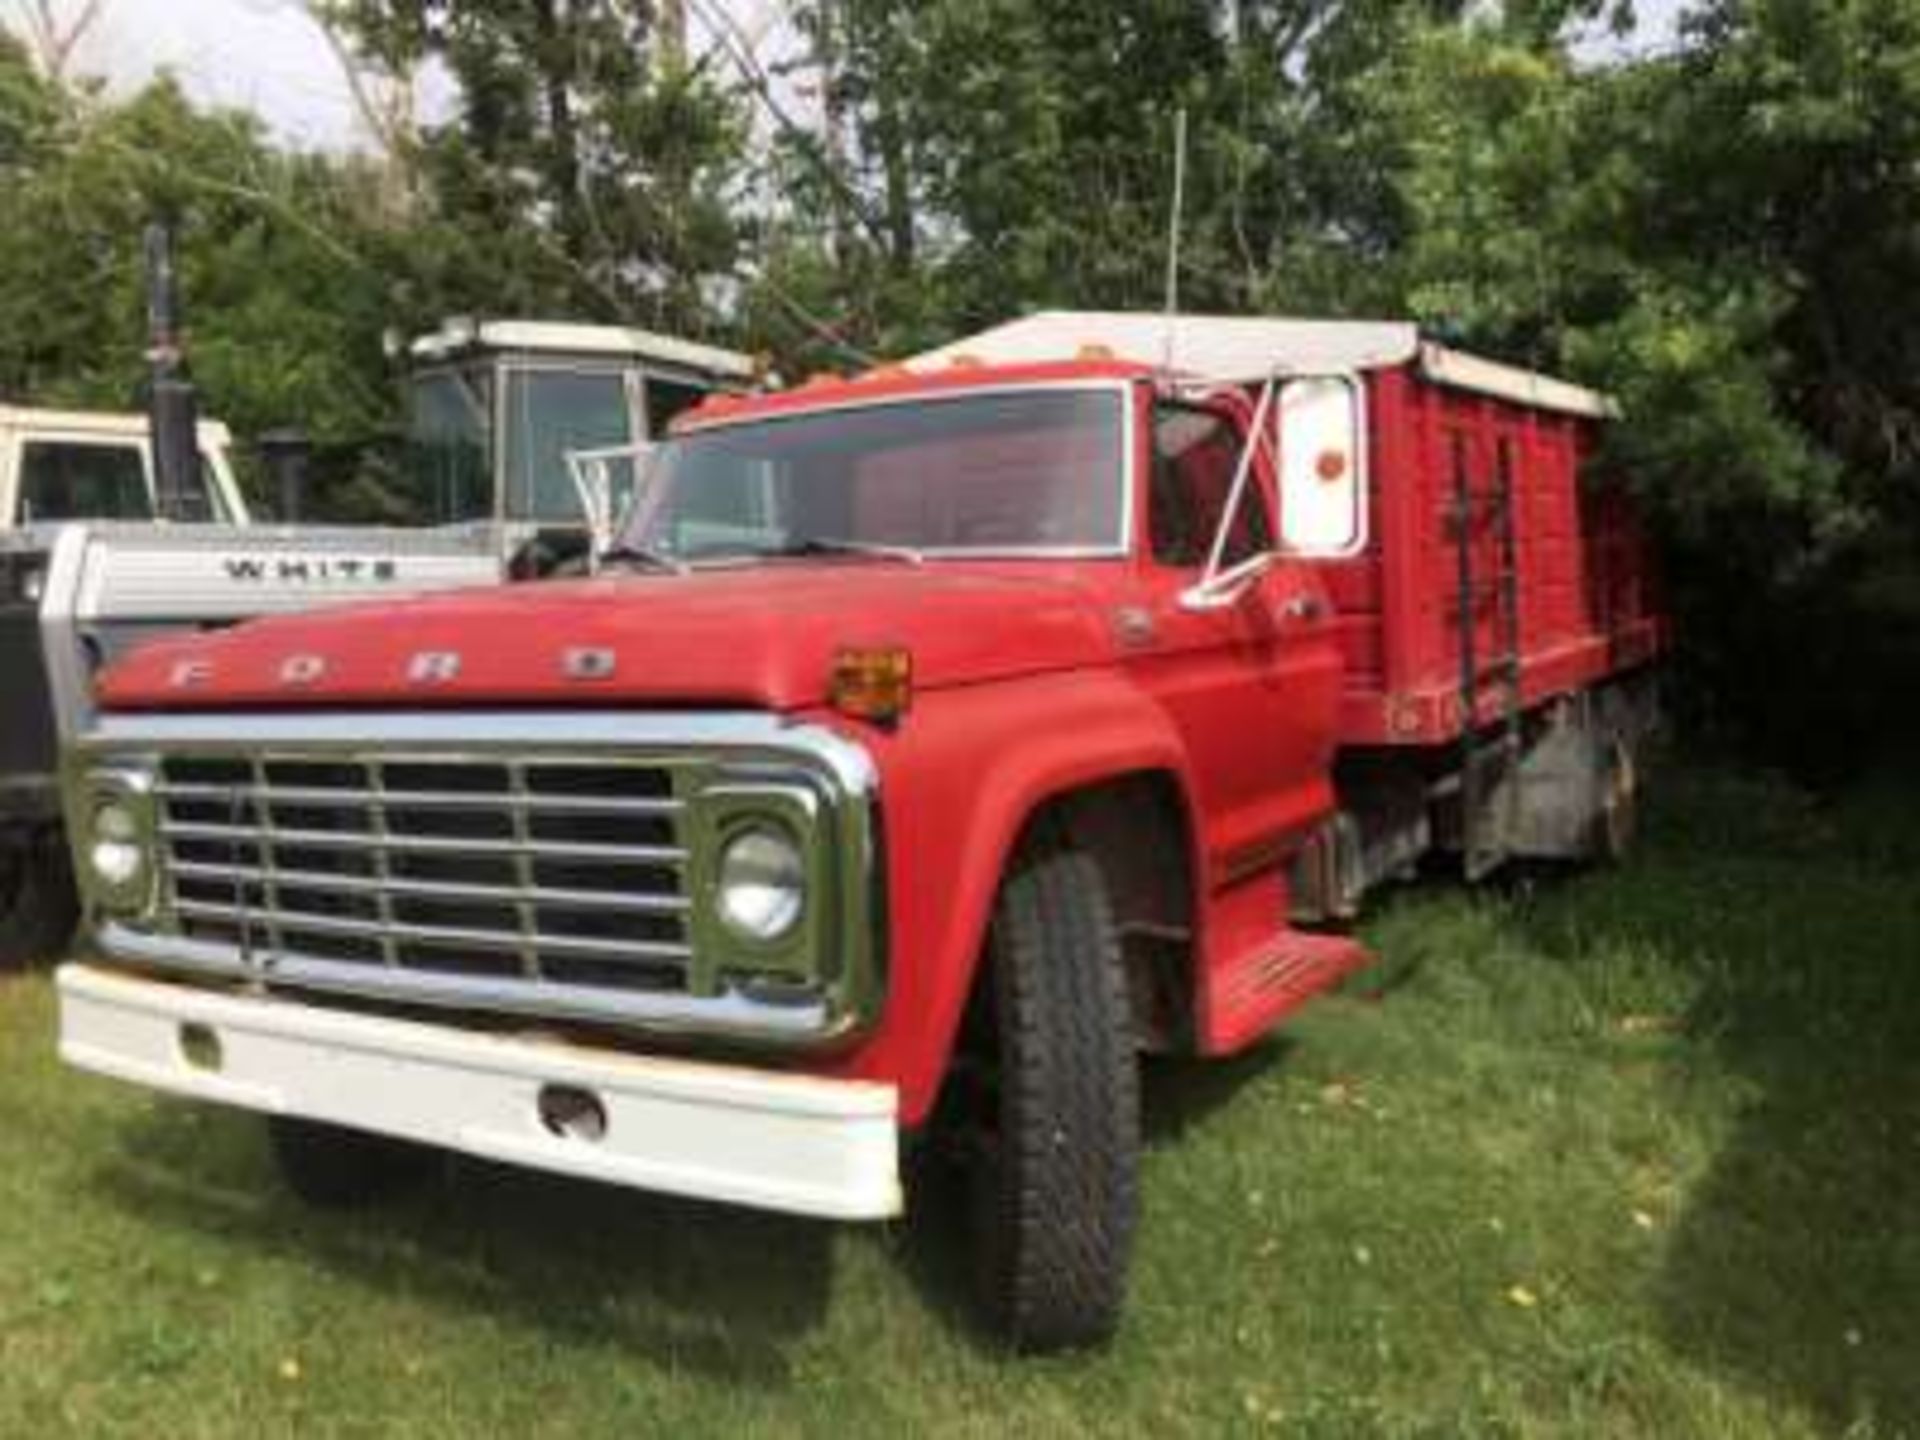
{"x": 1626, "y": 1154}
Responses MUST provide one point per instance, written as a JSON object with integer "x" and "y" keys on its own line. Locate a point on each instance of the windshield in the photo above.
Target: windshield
{"x": 1022, "y": 471}
{"x": 447, "y": 466}
{"x": 549, "y": 413}
{"x": 103, "y": 480}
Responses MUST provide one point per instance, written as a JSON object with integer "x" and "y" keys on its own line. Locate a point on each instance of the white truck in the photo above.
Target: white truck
{"x": 58, "y": 466}
{"x": 89, "y": 567}
{"x": 63, "y": 465}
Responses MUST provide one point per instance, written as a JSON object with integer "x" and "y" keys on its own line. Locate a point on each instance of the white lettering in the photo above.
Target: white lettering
{"x": 302, "y": 669}
{"x": 433, "y": 667}
{"x": 588, "y": 663}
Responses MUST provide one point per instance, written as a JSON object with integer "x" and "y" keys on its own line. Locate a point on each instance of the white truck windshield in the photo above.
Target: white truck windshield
{"x": 1037, "y": 471}
{"x": 102, "y": 480}
{"x": 449, "y": 447}
{"x": 546, "y": 411}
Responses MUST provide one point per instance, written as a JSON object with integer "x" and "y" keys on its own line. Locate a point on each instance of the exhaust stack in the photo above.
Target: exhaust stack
{"x": 173, "y": 405}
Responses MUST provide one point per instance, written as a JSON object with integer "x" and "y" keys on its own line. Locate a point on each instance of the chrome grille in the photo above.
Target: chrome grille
{"x": 552, "y": 865}
{"x": 545, "y": 871}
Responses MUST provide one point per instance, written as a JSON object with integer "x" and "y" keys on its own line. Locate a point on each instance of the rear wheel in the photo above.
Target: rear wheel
{"x": 337, "y": 1168}
{"x": 1618, "y": 817}
{"x": 1052, "y": 1108}
{"x": 38, "y": 907}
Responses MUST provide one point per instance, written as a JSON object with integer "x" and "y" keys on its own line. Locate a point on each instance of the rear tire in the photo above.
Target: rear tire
{"x": 1055, "y": 1107}
{"x": 38, "y": 906}
{"x": 1617, "y": 820}
{"x": 335, "y": 1168}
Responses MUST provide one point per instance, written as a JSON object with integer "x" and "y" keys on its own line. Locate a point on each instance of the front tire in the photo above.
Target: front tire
{"x": 1055, "y": 1109}
{"x": 334, "y": 1168}
{"x": 38, "y": 906}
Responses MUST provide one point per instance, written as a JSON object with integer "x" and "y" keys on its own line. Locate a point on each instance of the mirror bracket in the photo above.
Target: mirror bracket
{"x": 1220, "y": 584}
{"x": 592, "y": 474}
{"x": 1217, "y": 592}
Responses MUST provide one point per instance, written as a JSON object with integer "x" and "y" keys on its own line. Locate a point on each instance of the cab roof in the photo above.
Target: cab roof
{"x": 458, "y": 337}
{"x": 1211, "y": 350}
{"x": 1246, "y": 349}
{"x": 109, "y": 424}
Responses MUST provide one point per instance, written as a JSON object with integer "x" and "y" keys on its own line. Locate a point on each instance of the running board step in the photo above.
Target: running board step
{"x": 1246, "y": 998}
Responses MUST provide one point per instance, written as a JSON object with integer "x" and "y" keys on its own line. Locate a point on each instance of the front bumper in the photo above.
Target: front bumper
{"x": 775, "y": 1141}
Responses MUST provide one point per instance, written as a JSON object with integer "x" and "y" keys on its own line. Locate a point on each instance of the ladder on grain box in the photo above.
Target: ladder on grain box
{"x": 1489, "y": 746}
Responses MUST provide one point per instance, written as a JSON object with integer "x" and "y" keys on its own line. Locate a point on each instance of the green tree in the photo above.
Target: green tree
{"x": 587, "y": 169}
{"x": 1723, "y": 236}
{"x": 26, "y": 107}
{"x": 285, "y": 291}
{"x": 984, "y": 157}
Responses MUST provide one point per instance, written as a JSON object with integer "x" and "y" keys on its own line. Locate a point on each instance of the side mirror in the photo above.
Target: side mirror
{"x": 605, "y": 481}
{"x": 1320, "y": 435}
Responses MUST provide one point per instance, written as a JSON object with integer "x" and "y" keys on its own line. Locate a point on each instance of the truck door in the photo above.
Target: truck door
{"x": 1251, "y": 684}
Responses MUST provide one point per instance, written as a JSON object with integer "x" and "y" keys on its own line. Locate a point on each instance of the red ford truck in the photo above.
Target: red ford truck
{"x": 931, "y": 745}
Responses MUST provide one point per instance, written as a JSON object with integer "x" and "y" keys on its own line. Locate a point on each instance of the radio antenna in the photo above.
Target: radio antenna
{"x": 1173, "y": 232}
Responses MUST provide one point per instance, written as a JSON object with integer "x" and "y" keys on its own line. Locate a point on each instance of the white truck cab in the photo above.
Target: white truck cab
{"x": 494, "y": 407}
{"x": 64, "y": 465}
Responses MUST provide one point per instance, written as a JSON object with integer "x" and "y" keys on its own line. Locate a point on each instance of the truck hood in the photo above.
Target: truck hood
{"x": 763, "y": 638}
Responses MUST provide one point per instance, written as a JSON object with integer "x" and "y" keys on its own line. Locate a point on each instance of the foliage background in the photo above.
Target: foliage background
{"x": 1724, "y": 232}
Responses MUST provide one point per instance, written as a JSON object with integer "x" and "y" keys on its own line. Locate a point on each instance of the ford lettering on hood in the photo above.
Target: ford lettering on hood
{"x": 764, "y": 638}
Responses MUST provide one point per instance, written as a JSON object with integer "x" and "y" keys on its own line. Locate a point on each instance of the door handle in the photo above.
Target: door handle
{"x": 1302, "y": 607}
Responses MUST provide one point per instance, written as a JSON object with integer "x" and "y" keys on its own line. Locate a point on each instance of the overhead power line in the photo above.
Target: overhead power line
{"x": 738, "y": 47}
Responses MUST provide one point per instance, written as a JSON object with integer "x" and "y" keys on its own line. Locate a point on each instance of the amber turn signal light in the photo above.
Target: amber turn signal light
{"x": 875, "y": 684}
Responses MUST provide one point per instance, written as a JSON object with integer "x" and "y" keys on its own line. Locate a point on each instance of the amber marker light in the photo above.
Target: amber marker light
{"x": 872, "y": 684}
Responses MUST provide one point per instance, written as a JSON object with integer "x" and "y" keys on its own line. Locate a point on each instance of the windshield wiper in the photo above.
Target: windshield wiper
{"x": 629, "y": 554}
{"x": 834, "y": 545}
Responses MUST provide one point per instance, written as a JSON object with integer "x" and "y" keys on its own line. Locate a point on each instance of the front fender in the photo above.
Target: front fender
{"x": 960, "y": 779}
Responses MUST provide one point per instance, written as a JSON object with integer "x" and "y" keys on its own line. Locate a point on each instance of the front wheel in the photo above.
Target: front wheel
{"x": 1054, "y": 1107}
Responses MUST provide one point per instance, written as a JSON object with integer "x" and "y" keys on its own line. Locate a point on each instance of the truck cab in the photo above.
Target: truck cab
{"x": 58, "y": 466}
{"x": 930, "y": 746}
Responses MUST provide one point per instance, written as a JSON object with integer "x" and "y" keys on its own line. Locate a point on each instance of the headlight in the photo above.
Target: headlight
{"x": 116, "y": 850}
{"x": 762, "y": 883}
